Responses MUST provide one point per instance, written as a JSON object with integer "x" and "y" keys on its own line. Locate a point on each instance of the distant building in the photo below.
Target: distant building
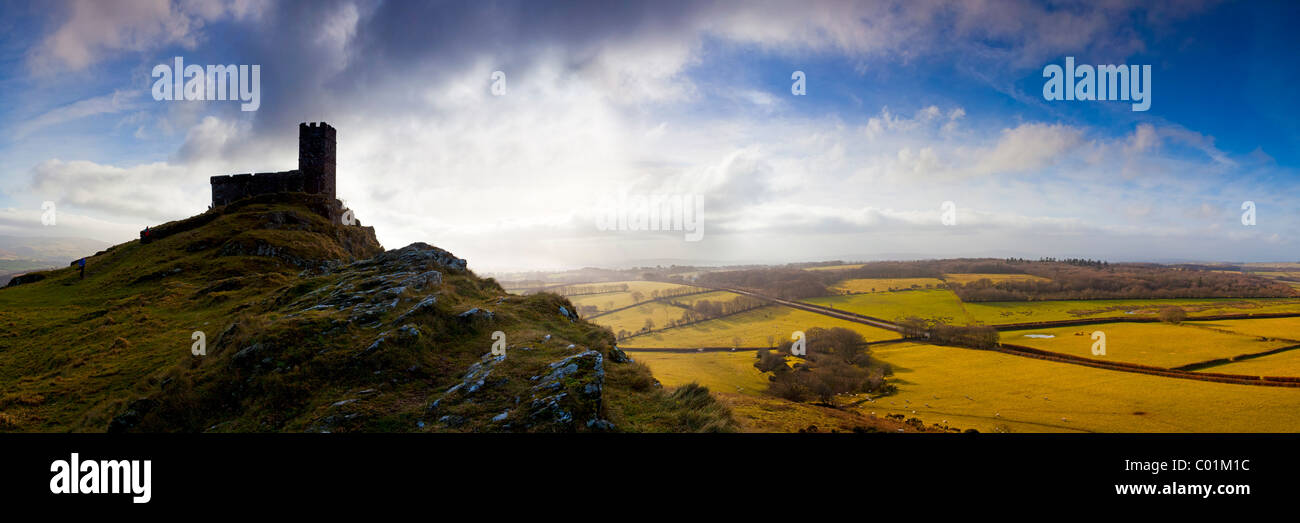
{"x": 314, "y": 175}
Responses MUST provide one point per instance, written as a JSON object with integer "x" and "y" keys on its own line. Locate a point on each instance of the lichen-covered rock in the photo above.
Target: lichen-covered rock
{"x": 617, "y": 355}
{"x": 476, "y": 377}
{"x": 476, "y": 317}
{"x": 424, "y": 307}
{"x": 569, "y": 395}
{"x": 564, "y": 311}
{"x": 405, "y": 334}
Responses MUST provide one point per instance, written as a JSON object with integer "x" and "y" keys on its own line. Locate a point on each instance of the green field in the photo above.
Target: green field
{"x": 936, "y": 303}
{"x": 1158, "y": 344}
{"x": 752, "y": 328}
{"x": 994, "y": 313}
{"x": 884, "y": 284}
{"x": 614, "y": 300}
{"x": 985, "y": 390}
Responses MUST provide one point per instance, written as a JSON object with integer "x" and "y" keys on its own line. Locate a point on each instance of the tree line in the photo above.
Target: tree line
{"x": 696, "y": 312}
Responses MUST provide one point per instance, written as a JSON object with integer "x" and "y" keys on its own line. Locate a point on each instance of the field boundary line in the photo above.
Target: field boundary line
{"x": 1094, "y": 321}
{"x": 638, "y": 304}
{"x": 1234, "y": 359}
{"x": 1239, "y": 379}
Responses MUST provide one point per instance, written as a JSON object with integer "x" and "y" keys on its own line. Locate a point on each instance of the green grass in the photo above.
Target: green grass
{"x": 993, "y": 313}
{"x": 75, "y": 353}
{"x": 935, "y": 303}
{"x": 984, "y": 390}
{"x": 1158, "y": 344}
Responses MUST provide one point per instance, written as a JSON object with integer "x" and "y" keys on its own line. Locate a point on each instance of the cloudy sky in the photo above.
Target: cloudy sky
{"x": 908, "y": 105}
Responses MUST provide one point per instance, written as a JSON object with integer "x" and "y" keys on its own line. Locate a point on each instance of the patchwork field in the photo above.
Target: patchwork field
{"x": 1159, "y": 344}
{"x": 884, "y": 284}
{"x": 1275, "y": 328}
{"x": 935, "y": 303}
{"x": 988, "y": 390}
{"x": 965, "y": 278}
{"x": 614, "y": 300}
{"x": 993, "y": 313}
{"x": 751, "y": 329}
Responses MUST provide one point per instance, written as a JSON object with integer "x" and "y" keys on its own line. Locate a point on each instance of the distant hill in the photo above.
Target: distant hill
{"x": 309, "y": 326}
{"x": 62, "y": 250}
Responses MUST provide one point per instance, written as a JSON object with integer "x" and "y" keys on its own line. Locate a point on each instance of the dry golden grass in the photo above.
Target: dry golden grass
{"x": 987, "y": 390}
{"x": 1159, "y": 344}
{"x": 964, "y": 278}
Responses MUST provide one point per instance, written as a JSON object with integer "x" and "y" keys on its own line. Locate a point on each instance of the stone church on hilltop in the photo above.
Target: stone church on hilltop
{"x": 314, "y": 175}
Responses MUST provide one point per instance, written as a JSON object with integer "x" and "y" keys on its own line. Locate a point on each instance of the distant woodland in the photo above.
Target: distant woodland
{"x": 1072, "y": 279}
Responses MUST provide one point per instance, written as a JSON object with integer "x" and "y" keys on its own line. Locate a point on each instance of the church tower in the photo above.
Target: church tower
{"x": 316, "y": 157}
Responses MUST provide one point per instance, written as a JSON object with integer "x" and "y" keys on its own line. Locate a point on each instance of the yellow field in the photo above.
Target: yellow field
{"x": 1280, "y": 364}
{"x": 719, "y": 371}
{"x": 660, "y": 312}
{"x": 834, "y": 267}
{"x": 1159, "y": 344}
{"x": 633, "y": 319}
{"x": 984, "y": 390}
{"x": 614, "y": 300}
{"x": 1276, "y": 328}
{"x": 993, "y": 313}
{"x": 965, "y": 278}
{"x": 937, "y": 303}
{"x": 752, "y": 328}
{"x": 884, "y": 284}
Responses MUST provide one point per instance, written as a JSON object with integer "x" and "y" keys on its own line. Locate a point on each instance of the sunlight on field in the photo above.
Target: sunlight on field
{"x": 999, "y": 312}
{"x": 614, "y": 300}
{"x": 890, "y": 306}
{"x": 884, "y": 284}
{"x": 719, "y": 371}
{"x": 659, "y": 312}
{"x": 1276, "y": 328}
{"x": 1280, "y": 364}
{"x": 984, "y": 390}
{"x": 753, "y": 329}
{"x": 1158, "y": 344}
{"x": 965, "y": 278}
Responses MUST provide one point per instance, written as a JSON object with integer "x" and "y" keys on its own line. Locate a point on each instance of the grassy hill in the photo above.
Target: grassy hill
{"x": 310, "y": 326}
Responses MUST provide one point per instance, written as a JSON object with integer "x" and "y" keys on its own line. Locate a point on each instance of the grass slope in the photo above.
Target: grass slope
{"x": 309, "y": 326}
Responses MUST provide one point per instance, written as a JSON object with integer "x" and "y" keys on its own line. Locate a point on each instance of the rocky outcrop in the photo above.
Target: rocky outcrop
{"x": 563, "y": 396}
